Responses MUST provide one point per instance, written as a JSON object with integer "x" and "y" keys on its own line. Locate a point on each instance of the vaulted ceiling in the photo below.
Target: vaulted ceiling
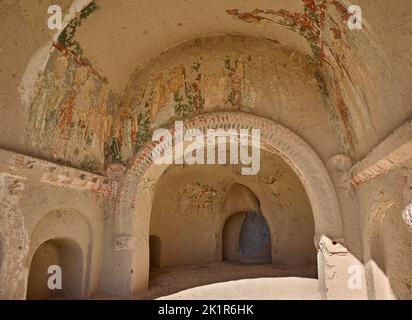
{"x": 363, "y": 74}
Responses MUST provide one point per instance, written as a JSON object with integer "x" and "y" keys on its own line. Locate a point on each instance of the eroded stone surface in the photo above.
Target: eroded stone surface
{"x": 78, "y": 108}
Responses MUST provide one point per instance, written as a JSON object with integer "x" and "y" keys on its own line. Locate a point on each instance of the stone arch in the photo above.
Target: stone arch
{"x": 61, "y": 252}
{"x": 134, "y": 199}
{"x": 67, "y": 229}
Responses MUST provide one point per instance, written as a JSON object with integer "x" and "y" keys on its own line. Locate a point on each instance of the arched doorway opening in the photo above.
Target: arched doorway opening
{"x": 246, "y": 239}
{"x": 143, "y": 180}
{"x": 259, "y": 227}
{"x": 64, "y": 253}
{"x": 60, "y": 238}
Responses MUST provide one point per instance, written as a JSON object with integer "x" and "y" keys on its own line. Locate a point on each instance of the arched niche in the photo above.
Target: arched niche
{"x": 135, "y": 197}
{"x": 56, "y": 271}
{"x": 246, "y": 235}
{"x": 61, "y": 236}
{"x": 291, "y": 227}
{"x": 246, "y": 239}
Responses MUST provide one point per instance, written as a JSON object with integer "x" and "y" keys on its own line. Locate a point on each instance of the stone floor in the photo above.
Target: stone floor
{"x": 232, "y": 281}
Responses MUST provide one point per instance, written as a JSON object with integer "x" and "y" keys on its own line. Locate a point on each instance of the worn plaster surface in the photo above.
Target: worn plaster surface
{"x": 78, "y": 107}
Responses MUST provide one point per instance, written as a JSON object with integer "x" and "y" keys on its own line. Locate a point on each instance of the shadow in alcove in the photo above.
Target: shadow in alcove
{"x": 67, "y": 256}
{"x": 169, "y": 280}
{"x": 246, "y": 239}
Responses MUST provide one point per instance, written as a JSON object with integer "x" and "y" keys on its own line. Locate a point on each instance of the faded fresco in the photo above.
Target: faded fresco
{"x": 182, "y": 91}
{"x": 341, "y": 55}
{"x": 73, "y": 102}
{"x": 71, "y": 115}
